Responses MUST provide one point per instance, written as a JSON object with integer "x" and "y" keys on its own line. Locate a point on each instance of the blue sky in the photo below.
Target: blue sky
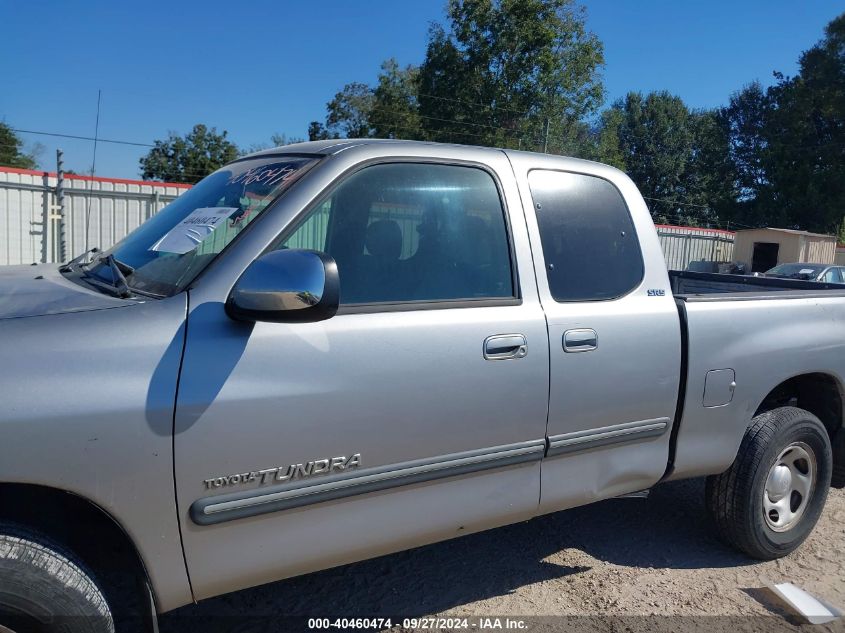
{"x": 255, "y": 68}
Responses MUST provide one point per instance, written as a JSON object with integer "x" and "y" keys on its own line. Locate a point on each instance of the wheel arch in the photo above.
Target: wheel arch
{"x": 86, "y": 529}
{"x": 823, "y": 395}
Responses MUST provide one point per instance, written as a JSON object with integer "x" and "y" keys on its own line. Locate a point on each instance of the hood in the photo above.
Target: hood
{"x": 41, "y": 289}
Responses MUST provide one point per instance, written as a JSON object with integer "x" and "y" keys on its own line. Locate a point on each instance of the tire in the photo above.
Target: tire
{"x": 772, "y": 527}
{"x": 43, "y": 589}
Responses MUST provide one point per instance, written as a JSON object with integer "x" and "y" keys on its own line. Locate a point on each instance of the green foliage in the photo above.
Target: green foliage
{"x": 526, "y": 74}
{"x": 607, "y": 147}
{"x": 12, "y": 153}
{"x": 349, "y": 112}
{"x": 511, "y": 73}
{"x": 280, "y": 140}
{"x": 788, "y": 143}
{"x": 395, "y": 110}
{"x": 276, "y": 140}
{"x": 805, "y": 137}
{"x": 677, "y": 157}
{"x": 318, "y": 132}
{"x": 188, "y": 158}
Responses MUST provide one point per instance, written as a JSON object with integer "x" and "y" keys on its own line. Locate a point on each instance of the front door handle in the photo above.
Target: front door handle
{"x": 583, "y": 340}
{"x": 504, "y": 346}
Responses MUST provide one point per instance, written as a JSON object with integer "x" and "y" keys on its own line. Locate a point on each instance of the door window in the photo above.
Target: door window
{"x": 832, "y": 276}
{"x": 413, "y": 232}
{"x": 589, "y": 244}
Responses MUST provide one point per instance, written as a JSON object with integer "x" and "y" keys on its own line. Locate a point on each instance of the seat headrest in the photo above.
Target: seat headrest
{"x": 384, "y": 239}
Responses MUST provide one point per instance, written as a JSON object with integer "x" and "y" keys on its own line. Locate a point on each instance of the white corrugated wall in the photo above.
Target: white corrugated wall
{"x": 29, "y": 223}
{"x": 685, "y": 244}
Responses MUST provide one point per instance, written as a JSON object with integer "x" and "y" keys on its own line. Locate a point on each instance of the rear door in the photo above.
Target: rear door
{"x": 833, "y": 275}
{"x": 417, "y": 413}
{"x": 614, "y": 331}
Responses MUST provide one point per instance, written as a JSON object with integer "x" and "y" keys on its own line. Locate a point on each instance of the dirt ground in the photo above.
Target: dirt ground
{"x": 621, "y": 559}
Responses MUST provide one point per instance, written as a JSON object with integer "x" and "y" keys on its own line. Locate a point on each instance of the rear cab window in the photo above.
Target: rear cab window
{"x": 590, "y": 248}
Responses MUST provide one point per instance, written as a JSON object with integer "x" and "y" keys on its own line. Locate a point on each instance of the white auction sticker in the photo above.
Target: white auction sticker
{"x": 193, "y": 229}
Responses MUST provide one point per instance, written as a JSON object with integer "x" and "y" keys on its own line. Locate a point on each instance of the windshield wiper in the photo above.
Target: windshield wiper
{"x": 118, "y": 269}
{"x": 78, "y": 260}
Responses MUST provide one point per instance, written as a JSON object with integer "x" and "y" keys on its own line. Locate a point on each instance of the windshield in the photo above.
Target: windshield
{"x": 165, "y": 253}
{"x": 798, "y": 271}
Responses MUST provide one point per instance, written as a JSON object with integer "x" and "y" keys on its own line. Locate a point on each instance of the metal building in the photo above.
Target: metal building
{"x": 687, "y": 247}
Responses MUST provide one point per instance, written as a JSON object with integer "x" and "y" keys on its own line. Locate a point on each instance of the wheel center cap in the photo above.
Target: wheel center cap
{"x": 779, "y": 482}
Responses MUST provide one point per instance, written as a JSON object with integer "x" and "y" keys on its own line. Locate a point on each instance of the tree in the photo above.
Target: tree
{"x": 744, "y": 121}
{"x": 606, "y": 145}
{"x": 517, "y": 73}
{"x": 787, "y": 143}
{"x": 317, "y": 132}
{"x": 350, "y": 110}
{"x": 676, "y": 156}
{"x": 276, "y": 140}
{"x": 11, "y": 150}
{"x": 395, "y": 108}
{"x": 188, "y": 158}
{"x": 804, "y": 133}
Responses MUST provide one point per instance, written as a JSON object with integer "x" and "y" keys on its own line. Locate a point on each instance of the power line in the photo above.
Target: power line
{"x": 477, "y": 104}
{"x": 432, "y": 118}
{"x": 83, "y": 138}
{"x": 514, "y": 134}
{"x": 682, "y": 204}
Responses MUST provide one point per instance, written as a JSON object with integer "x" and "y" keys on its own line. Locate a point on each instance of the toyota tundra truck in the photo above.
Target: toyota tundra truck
{"x": 335, "y": 350}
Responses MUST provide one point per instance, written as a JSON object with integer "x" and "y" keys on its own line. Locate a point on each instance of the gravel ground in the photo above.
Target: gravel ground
{"x": 622, "y": 559}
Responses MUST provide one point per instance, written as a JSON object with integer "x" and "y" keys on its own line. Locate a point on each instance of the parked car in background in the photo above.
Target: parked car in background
{"x": 809, "y": 272}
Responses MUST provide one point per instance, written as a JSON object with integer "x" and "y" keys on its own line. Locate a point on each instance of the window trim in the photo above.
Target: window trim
{"x": 423, "y": 304}
{"x": 641, "y": 278}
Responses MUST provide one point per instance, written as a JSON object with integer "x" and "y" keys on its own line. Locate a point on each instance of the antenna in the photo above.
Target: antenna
{"x": 93, "y": 170}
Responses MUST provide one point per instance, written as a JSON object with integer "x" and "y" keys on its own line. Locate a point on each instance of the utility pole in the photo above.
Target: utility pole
{"x": 60, "y": 203}
{"x": 546, "y": 138}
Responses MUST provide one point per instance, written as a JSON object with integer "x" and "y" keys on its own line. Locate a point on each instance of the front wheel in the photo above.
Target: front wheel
{"x": 771, "y": 497}
{"x": 44, "y": 589}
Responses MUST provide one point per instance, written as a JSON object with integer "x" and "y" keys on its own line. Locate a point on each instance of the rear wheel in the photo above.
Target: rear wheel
{"x": 771, "y": 497}
{"x": 44, "y": 589}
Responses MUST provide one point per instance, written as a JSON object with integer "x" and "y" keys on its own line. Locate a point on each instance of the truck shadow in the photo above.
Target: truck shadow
{"x": 667, "y": 530}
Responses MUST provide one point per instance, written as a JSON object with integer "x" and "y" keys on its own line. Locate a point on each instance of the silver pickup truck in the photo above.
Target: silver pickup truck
{"x": 335, "y": 350}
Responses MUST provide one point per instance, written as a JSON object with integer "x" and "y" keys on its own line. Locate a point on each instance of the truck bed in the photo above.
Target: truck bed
{"x": 693, "y": 286}
{"x": 763, "y": 330}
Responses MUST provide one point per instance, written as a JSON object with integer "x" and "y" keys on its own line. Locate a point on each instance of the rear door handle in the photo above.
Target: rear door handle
{"x": 583, "y": 340}
{"x": 504, "y": 346}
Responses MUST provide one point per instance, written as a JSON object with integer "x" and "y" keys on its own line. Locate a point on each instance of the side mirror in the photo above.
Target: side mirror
{"x": 286, "y": 286}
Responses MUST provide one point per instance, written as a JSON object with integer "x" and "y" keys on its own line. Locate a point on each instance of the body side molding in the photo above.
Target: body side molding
{"x": 592, "y": 438}
{"x": 228, "y": 507}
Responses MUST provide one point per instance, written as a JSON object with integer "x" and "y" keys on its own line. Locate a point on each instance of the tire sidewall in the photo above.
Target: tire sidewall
{"x": 810, "y": 431}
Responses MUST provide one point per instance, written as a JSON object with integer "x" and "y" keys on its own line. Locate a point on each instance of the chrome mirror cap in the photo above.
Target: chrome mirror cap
{"x": 286, "y": 286}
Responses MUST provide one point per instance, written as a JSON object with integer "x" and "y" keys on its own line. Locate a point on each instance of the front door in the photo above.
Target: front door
{"x": 614, "y": 333}
{"x": 397, "y": 422}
